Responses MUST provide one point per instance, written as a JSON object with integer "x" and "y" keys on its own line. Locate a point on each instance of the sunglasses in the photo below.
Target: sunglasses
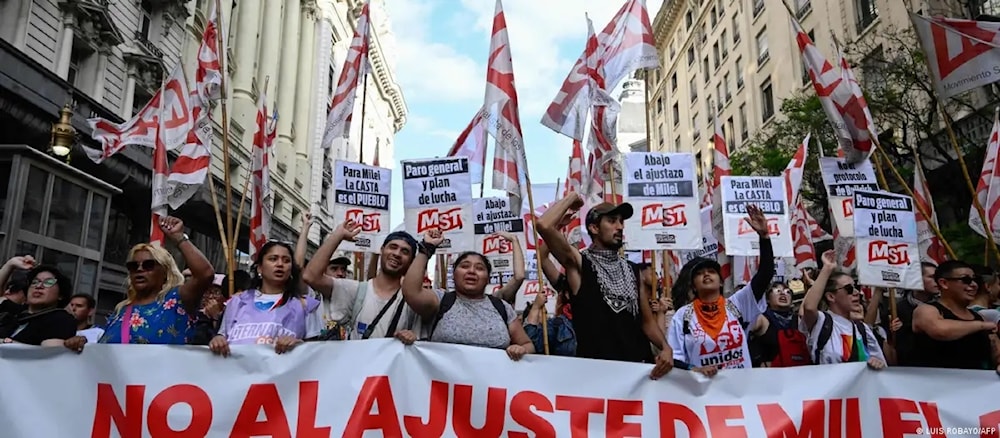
{"x": 146, "y": 265}
{"x": 964, "y": 280}
{"x": 851, "y": 289}
{"x": 48, "y": 282}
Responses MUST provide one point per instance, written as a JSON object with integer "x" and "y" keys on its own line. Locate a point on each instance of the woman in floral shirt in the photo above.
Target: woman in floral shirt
{"x": 160, "y": 306}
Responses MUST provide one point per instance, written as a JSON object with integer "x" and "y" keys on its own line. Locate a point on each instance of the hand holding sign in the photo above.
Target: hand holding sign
{"x": 756, "y": 219}
{"x": 347, "y": 230}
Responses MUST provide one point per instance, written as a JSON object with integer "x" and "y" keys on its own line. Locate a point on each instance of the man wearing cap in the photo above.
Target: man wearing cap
{"x": 369, "y": 309}
{"x": 338, "y": 267}
{"x": 612, "y": 315}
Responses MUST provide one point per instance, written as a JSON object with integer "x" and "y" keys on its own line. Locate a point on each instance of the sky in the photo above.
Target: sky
{"x": 440, "y": 63}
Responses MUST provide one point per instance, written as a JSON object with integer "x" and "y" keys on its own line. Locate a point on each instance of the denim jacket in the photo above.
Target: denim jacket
{"x": 562, "y": 337}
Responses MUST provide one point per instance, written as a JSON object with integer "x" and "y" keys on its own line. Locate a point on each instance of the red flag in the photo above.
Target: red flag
{"x": 931, "y": 247}
{"x": 501, "y": 113}
{"x": 262, "y": 199}
{"x": 338, "y": 121}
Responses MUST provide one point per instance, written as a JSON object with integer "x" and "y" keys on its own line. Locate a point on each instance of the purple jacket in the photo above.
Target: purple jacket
{"x": 243, "y": 323}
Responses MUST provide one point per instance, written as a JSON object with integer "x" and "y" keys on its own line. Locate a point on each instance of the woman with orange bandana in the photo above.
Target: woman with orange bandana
{"x": 710, "y": 333}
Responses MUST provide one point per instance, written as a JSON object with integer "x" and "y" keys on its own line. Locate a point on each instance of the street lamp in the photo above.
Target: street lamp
{"x": 63, "y": 133}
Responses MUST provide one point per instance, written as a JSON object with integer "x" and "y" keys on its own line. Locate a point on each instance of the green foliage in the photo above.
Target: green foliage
{"x": 968, "y": 246}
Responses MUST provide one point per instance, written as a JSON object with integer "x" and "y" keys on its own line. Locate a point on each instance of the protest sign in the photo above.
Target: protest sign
{"x": 767, "y": 193}
{"x": 437, "y": 193}
{"x": 663, "y": 190}
{"x": 886, "y": 232}
{"x": 841, "y": 180}
{"x": 434, "y": 389}
{"x": 361, "y": 194}
{"x": 709, "y": 244}
{"x": 492, "y": 216}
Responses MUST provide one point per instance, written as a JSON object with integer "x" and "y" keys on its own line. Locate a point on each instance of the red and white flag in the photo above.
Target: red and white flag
{"x": 160, "y": 193}
{"x": 262, "y": 199}
{"x": 603, "y": 138}
{"x": 338, "y": 120}
{"x": 574, "y": 184}
{"x": 208, "y": 75}
{"x": 174, "y": 118}
{"x": 627, "y": 44}
{"x": 193, "y": 161}
{"x": 471, "y": 143}
{"x": 988, "y": 189}
{"x": 500, "y": 114}
{"x": 805, "y": 252}
{"x": 961, "y": 53}
{"x": 720, "y": 168}
{"x": 745, "y": 267}
{"x": 794, "y": 171}
{"x": 840, "y": 97}
{"x": 931, "y": 247}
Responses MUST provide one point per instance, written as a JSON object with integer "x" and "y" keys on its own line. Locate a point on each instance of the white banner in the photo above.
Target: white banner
{"x": 437, "y": 193}
{"x": 709, "y": 244}
{"x": 841, "y": 180}
{"x": 493, "y": 215}
{"x": 361, "y": 194}
{"x": 442, "y": 390}
{"x": 766, "y": 192}
{"x": 886, "y": 232}
{"x": 663, "y": 191}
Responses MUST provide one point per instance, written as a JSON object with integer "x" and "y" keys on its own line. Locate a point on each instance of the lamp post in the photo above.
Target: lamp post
{"x": 63, "y": 134}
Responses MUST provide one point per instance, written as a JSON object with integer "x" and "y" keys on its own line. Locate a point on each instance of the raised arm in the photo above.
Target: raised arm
{"x": 303, "y": 243}
{"x": 18, "y": 262}
{"x": 315, "y": 272}
{"x": 810, "y": 303}
{"x": 761, "y": 281}
{"x": 509, "y": 291}
{"x": 545, "y": 264}
{"x": 550, "y": 229}
{"x": 423, "y": 302}
{"x": 202, "y": 272}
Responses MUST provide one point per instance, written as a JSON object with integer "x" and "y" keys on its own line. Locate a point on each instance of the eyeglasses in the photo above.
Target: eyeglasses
{"x": 965, "y": 280}
{"x": 850, "y": 289}
{"x": 146, "y": 265}
{"x": 48, "y": 282}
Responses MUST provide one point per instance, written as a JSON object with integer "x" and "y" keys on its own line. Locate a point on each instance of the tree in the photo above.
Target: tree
{"x": 893, "y": 73}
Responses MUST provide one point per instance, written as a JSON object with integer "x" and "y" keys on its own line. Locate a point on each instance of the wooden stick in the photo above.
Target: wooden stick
{"x": 649, "y": 148}
{"x": 227, "y": 246}
{"x": 218, "y": 221}
{"x": 234, "y": 237}
{"x": 538, "y": 261}
{"x": 968, "y": 181}
{"x": 364, "y": 104}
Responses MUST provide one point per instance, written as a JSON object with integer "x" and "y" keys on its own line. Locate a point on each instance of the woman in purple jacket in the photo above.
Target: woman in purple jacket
{"x": 272, "y": 311}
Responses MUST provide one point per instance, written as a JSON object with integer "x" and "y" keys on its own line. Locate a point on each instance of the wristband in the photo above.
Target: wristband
{"x": 426, "y": 249}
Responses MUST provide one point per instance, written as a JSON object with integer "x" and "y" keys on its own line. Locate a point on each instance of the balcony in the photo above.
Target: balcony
{"x": 763, "y": 57}
{"x": 176, "y": 9}
{"x": 147, "y": 46}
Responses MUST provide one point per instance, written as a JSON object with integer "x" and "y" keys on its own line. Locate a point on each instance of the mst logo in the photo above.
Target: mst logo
{"x": 893, "y": 254}
{"x": 444, "y": 220}
{"x": 745, "y": 228}
{"x": 671, "y": 216}
{"x": 847, "y": 205}
{"x": 496, "y": 245}
{"x": 370, "y": 223}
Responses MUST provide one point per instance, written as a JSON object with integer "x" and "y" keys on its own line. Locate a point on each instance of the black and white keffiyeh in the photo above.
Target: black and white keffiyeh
{"x": 616, "y": 278}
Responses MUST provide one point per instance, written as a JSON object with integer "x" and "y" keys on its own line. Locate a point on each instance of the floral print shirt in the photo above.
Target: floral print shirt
{"x": 163, "y": 322}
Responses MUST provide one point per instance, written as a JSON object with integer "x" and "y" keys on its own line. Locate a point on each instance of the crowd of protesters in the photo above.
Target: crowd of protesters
{"x": 606, "y": 306}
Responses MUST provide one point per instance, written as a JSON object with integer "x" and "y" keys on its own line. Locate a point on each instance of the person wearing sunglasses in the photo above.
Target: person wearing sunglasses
{"x": 160, "y": 307}
{"x": 946, "y": 333}
{"x": 836, "y": 335}
{"x": 42, "y": 319}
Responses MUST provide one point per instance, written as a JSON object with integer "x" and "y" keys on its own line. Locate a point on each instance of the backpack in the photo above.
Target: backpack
{"x": 448, "y": 300}
{"x": 793, "y": 349}
{"x": 826, "y": 332}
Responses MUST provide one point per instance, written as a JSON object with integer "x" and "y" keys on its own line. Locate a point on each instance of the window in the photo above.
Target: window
{"x": 758, "y": 6}
{"x": 722, "y": 8}
{"x": 739, "y": 73}
{"x": 715, "y": 17}
{"x": 720, "y": 90}
{"x": 689, "y": 19}
{"x": 695, "y": 130}
{"x": 730, "y": 134}
{"x": 766, "y": 100}
{"x": 722, "y": 43}
{"x": 871, "y": 67}
{"x": 736, "y": 30}
{"x": 659, "y": 135}
{"x": 82, "y": 71}
{"x": 704, "y": 33}
{"x": 139, "y": 99}
{"x": 725, "y": 87}
{"x": 697, "y": 160}
{"x": 705, "y": 72}
{"x": 690, "y": 55}
{"x": 867, "y": 13}
{"x": 677, "y": 114}
{"x": 677, "y": 147}
{"x": 659, "y": 105}
{"x": 693, "y": 90}
{"x": 744, "y": 129}
{"x": 762, "y": 54}
{"x": 708, "y": 109}
{"x": 715, "y": 55}
{"x": 673, "y": 82}
{"x": 146, "y": 19}
{"x": 802, "y": 8}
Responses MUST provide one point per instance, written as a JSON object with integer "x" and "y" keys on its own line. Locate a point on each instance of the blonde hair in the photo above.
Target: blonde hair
{"x": 164, "y": 259}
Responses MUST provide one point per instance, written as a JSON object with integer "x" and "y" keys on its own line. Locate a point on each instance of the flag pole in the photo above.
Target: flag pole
{"x": 482, "y": 182}
{"x": 364, "y": 104}
{"x": 231, "y": 247}
{"x": 538, "y": 260}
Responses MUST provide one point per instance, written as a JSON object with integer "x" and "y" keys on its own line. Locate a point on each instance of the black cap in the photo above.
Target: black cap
{"x": 698, "y": 263}
{"x": 607, "y": 209}
{"x": 340, "y": 261}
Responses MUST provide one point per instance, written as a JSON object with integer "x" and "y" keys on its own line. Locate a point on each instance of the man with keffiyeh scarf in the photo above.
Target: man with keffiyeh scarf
{"x": 612, "y": 314}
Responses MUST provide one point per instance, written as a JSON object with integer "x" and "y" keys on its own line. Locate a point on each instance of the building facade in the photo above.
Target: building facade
{"x": 736, "y": 60}
{"x": 107, "y": 59}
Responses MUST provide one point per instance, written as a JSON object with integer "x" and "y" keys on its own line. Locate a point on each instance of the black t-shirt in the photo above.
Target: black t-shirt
{"x": 904, "y": 336}
{"x": 601, "y": 333}
{"x": 970, "y": 352}
{"x": 33, "y": 329}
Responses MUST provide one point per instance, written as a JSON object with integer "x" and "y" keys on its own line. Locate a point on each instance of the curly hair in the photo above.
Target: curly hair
{"x": 164, "y": 259}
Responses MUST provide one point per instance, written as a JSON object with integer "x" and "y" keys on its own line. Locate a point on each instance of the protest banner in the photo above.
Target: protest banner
{"x": 886, "y": 232}
{"x": 493, "y": 215}
{"x": 437, "y": 193}
{"x": 361, "y": 194}
{"x": 841, "y": 180}
{"x": 663, "y": 190}
{"x": 443, "y": 390}
{"x": 709, "y": 244}
{"x": 765, "y": 192}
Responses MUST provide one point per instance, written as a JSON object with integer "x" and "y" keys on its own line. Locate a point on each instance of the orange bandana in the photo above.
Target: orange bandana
{"x": 711, "y": 316}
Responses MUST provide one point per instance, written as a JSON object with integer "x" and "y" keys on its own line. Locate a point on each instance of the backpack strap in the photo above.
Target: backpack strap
{"x": 863, "y": 330}
{"x": 359, "y": 300}
{"x": 444, "y": 305}
{"x": 686, "y": 330}
{"x": 734, "y": 311}
{"x": 824, "y": 336}
{"x": 501, "y": 309}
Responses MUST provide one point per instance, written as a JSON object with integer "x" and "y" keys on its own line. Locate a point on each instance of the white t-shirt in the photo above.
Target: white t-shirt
{"x": 92, "y": 334}
{"x": 991, "y": 315}
{"x": 341, "y": 307}
{"x": 730, "y": 350}
{"x": 844, "y": 335}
